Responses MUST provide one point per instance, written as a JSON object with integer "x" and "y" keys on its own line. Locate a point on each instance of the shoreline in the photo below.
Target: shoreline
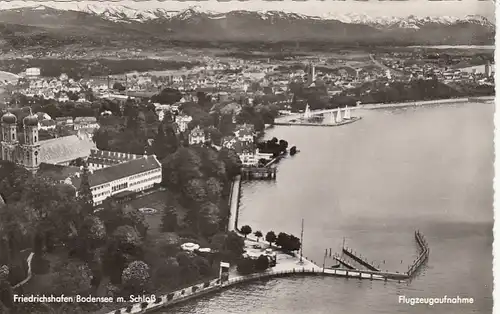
{"x": 448, "y": 101}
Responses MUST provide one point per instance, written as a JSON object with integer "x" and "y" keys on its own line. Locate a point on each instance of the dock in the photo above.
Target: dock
{"x": 258, "y": 173}
{"x": 343, "y": 262}
{"x": 301, "y": 123}
{"x": 422, "y": 257}
{"x": 359, "y": 259}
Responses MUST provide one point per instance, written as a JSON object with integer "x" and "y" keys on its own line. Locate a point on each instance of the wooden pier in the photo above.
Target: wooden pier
{"x": 359, "y": 259}
{"x": 373, "y": 272}
{"x": 258, "y": 173}
{"x": 422, "y": 257}
{"x": 343, "y": 262}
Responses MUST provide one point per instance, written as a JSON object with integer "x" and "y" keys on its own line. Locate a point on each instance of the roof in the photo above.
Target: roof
{"x": 85, "y": 120}
{"x": 109, "y": 158}
{"x": 197, "y": 132}
{"x": 239, "y": 146}
{"x": 64, "y": 149}
{"x": 123, "y": 170}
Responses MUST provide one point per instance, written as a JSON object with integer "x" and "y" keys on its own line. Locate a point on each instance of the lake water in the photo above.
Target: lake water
{"x": 374, "y": 182}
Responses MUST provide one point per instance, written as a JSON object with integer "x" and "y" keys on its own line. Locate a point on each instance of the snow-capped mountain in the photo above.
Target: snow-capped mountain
{"x": 116, "y": 12}
{"x": 104, "y": 22}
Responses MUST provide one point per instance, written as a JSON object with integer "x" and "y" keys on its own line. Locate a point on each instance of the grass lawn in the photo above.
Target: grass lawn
{"x": 156, "y": 200}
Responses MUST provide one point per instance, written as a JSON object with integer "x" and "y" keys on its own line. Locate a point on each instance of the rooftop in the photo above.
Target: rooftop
{"x": 64, "y": 149}
{"x": 123, "y": 170}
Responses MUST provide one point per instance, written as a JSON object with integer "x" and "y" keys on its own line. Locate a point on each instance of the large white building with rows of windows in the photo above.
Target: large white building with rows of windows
{"x": 135, "y": 175}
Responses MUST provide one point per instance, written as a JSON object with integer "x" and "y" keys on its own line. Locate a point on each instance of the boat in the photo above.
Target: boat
{"x": 339, "y": 116}
{"x": 293, "y": 150}
{"x": 347, "y": 113}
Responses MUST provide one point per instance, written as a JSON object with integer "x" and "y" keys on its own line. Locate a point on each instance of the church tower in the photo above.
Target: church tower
{"x": 31, "y": 148}
{"x": 9, "y": 141}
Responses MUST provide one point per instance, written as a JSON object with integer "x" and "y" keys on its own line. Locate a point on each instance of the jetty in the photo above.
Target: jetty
{"x": 262, "y": 173}
{"x": 359, "y": 259}
{"x": 422, "y": 257}
{"x": 343, "y": 262}
{"x": 305, "y": 123}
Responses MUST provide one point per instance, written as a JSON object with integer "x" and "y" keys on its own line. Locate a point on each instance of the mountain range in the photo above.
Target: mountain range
{"x": 106, "y": 24}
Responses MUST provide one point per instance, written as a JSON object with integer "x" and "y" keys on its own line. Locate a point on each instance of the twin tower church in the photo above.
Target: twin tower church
{"x": 30, "y": 152}
{"x": 25, "y": 152}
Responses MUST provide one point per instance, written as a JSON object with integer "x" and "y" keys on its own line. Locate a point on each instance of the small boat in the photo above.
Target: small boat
{"x": 347, "y": 113}
{"x": 339, "y": 116}
{"x": 293, "y": 150}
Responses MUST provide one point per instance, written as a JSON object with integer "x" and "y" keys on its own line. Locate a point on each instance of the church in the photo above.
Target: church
{"x": 29, "y": 152}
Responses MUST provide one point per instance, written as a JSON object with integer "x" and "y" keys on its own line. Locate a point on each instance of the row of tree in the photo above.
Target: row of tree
{"x": 287, "y": 242}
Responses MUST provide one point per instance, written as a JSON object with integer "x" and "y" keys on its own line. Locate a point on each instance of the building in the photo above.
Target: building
{"x": 245, "y": 132}
{"x": 47, "y": 125}
{"x": 85, "y": 123}
{"x": 100, "y": 159}
{"x": 30, "y": 152}
{"x": 32, "y": 72}
{"x": 246, "y": 152}
{"x": 64, "y": 121}
{"x": 196, "y": 136}
{"x": 182, "y": 122}
{"x": 244, "y": 149}
{"x": 132, "y": 176}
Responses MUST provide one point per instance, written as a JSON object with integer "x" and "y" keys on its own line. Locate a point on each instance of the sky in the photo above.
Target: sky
{"x": 373, "y": 8}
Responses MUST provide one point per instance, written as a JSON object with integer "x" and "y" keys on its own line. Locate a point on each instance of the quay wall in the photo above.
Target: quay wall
{"x": 234, "y": 204}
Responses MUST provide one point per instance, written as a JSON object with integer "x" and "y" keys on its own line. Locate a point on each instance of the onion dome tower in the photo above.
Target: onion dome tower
{"x": 31, "y": 147}
{"x": 9, "y": 141}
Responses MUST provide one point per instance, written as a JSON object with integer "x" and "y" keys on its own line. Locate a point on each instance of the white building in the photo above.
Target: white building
{"x": 196, "y": 136}
{"x": 33, "y": 72}
{"x": 182, "y": 122}
{"x": 85, "y": 123}
{"x": 132, "y": 176}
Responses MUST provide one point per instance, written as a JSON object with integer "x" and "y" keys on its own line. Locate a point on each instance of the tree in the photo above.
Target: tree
{"x": 159, "y": 146}
{"x": 214, "y": 189}
{"x": 258, "y": 234}
{"x": 167, "y": 96}
{"x": 262, "y": 263}
{"x": 195, "y": 190}
{"x": 136, "y": 277}
{"x": 245, "y": 266}
{"x": 118, "y": 86}
{"x": 246, "y": 230}
{"x": 288, "y": 242}
{"x": 71, "y": 278}
{"x": 271, "y": 237}
{"x": 169, "y": 219}
{"x": 232, "y": 162}
{"x": 234, "y": 244}
{"x": 84, "y": 192}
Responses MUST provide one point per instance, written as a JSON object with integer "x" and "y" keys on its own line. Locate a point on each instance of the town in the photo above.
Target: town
{"x": 147, "y": 161}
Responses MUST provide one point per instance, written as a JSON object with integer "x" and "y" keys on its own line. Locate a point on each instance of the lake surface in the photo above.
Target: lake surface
{"x": 374, "y": 182}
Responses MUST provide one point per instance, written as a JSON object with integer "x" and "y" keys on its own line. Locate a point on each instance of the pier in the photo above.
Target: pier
{"x": 359, "y": 259}
{"x": 303, "y": 123}
{"x": 343, "y": 262}
{"x": 422, "y": 257}
{"x": 258, "y": 173}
